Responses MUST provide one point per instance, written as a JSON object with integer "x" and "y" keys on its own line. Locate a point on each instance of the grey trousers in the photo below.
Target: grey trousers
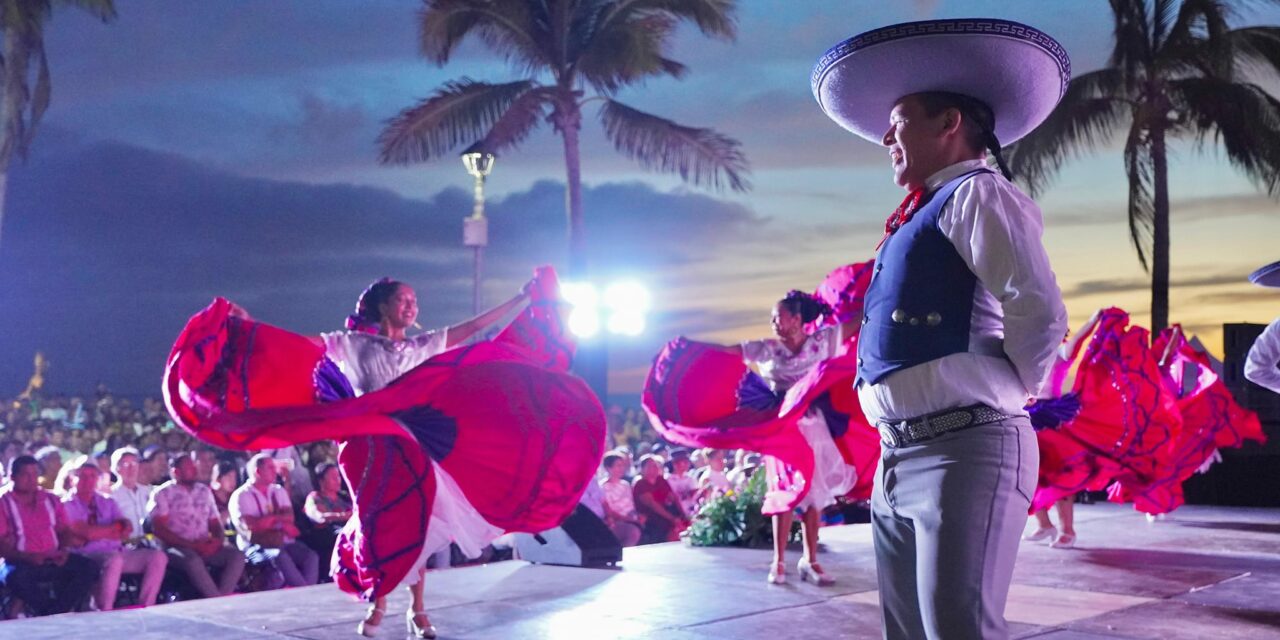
{"x": 946, "y": 517}
{"x": 229, "y": 559}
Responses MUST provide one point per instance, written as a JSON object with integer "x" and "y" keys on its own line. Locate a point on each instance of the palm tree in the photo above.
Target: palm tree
{"x": 1176, "y": 70}
{"x": 565, "y": 48}
{"x": 22, "y": 29}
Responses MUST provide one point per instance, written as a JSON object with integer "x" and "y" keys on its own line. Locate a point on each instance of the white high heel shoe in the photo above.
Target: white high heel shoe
{"x": 810, "y": 572}
{"x": 368, "y": 629}
{"x": 1046, "y": 533}
{"x": 411, "y": 622}
{"x": 778, "y": 574}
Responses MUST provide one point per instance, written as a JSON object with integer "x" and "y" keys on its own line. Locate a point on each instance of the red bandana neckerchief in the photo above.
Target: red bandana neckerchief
{"x": 901, "y": 215}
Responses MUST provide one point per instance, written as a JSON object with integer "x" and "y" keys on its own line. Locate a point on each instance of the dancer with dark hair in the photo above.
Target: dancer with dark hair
{"x": 782, "y": 362}
{"x": 425, "y": 444}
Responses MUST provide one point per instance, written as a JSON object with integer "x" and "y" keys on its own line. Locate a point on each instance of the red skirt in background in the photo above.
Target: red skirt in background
{"x": 1127, "y": 421}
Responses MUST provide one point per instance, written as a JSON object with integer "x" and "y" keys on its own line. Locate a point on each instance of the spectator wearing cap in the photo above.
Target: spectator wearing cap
{"x": 97, "y": 529}
{"x": 50, "y": 459}
{"x": 619, "y": 504}
{"x": 657, "y": 503}
{"x": 685, "y": 487}
{"x": 130, "y": 495}
{"x": 185, "y": 519}
{"x": 31, "y": 521}
{"x": 265, "y": 528}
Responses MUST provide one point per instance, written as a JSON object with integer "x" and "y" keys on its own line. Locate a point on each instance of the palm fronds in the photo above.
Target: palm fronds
{"x": 700, "y": 156}
{"x": 458, "y": 113}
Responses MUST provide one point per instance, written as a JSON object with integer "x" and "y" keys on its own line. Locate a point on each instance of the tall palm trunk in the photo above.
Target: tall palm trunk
{"x": 4, "y": 189}
{"x": 568, "y": 119}
{"x": 1160, "y": 232}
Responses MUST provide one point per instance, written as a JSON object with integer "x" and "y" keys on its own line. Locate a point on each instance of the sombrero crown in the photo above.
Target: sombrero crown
{"x": 1017, "y": 70}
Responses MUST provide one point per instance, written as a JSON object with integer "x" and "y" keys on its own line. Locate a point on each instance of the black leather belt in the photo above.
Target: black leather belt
{"x": 916, "y": 430}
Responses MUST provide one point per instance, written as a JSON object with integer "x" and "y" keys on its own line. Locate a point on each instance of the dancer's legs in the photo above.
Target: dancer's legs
{"x": 781, "y": 534}
{"x": 1042, "y": 518}
{"x": 809, "y": 531}
{"x": 1066, "y": 515}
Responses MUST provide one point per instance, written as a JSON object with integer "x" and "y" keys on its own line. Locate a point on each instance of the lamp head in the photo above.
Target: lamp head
{"x": 478, "y": 160}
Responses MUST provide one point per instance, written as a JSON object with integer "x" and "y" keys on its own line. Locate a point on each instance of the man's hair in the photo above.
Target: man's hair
{"x": 611, "y": 459}
{"x": 257, "y": 460}
{"x": 174, "y": 461}
{"x": 21, "y": 462}
{"x": 977, "y": 120}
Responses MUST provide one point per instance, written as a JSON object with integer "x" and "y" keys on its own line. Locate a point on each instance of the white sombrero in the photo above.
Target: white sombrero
{"x": 1268, "y": 276}
{"x": 1017, "y": 70}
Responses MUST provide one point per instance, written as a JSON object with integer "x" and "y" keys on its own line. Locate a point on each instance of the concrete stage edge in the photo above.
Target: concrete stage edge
{"x": 1203, "y": 573}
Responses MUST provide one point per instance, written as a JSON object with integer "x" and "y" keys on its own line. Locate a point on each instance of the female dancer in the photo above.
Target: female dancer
{"x": 375, "y": 351}
{"x": 418, "y": 455}
{"x": 783, "y": 361}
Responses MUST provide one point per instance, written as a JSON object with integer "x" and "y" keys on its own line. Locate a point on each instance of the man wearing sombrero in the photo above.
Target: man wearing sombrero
{"x": 963, "y": 312}
{"x": 1263, "y": 364}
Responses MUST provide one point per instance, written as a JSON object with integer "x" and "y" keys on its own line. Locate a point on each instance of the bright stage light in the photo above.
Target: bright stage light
{"x": 626, "y": 323}
{"x": 627, "y": 296}
{"x": 584, "y": 322}
{"x": 580, "y": 294}
{"x": 623, "y": 303}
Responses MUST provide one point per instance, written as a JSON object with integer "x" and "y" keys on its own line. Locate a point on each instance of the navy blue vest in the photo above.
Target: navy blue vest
{"x": 920, "y": 301}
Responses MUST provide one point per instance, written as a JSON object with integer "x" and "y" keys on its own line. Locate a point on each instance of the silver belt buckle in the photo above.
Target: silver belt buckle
{"x": 889, "y": 435}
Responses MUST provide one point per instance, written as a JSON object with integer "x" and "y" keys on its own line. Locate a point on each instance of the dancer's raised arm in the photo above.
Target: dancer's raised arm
{"x": 463, "y": 330}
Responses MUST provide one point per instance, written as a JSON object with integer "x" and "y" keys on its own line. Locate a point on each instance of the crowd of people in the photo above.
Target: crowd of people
{"x": 105, "y": 504}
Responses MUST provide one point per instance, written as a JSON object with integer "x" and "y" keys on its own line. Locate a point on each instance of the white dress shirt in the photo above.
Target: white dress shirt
{"x": 133, "y": 505}
{"x": 997, "y": 231}
{"x": 1263, "y": 364}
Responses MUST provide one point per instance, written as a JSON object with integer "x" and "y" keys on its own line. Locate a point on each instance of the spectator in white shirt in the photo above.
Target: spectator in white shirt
{"x": 130, "y": 495}
{"x": 713, "y": 480}
{"x": 265, "y": 526}
{"x": 619, "y": 503}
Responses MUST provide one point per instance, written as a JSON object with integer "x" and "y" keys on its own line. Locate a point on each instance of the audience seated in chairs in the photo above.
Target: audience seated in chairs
{"x": 96, "y": 529}
{"x": 327, "y": 510}
{"x": 130, "y": 495}
{"x": 657, "y": 503}
{"x": 41, "y": 577}
{"x": 619, "y": 503}
{"x": 265, "y": 526}
{"x": 185, "y": 519}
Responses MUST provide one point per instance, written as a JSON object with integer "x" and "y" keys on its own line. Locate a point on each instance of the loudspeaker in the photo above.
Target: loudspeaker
{"x": 582, "y": 540}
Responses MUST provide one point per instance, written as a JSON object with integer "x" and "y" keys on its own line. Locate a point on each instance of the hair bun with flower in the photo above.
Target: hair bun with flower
{"x": 367, "y": 318}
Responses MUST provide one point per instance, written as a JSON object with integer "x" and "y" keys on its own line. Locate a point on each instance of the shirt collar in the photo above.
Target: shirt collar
{"x": 954, "y": 171}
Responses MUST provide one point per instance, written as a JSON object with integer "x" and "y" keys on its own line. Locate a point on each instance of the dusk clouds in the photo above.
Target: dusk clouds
{"x": 196, "y": 149}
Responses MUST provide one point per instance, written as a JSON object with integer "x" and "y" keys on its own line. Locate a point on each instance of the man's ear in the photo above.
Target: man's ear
{"x": 952, "y": 121}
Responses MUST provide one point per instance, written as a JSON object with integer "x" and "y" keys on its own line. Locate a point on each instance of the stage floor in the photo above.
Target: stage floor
{"x": 1203, "y": 573}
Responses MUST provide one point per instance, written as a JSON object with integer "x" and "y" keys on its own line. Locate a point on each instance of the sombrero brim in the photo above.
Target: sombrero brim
{"x": 1268, "y": 276}
{"x": 1017, "y": 70}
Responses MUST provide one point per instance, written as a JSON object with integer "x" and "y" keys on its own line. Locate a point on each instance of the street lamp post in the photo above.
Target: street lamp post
{"x": 475, "y": 228}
